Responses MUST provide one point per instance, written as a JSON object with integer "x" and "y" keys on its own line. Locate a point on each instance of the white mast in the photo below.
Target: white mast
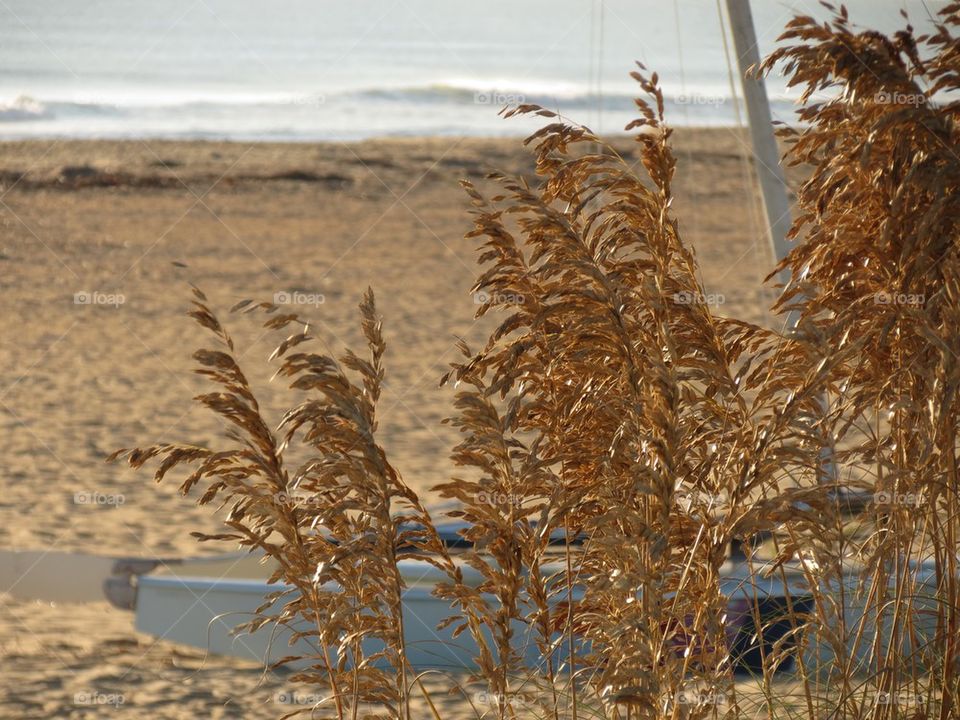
{"x": 766, "y": 157}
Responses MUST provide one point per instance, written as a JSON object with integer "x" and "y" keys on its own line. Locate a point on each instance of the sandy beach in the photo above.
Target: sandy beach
{"x": 96, "y": 349}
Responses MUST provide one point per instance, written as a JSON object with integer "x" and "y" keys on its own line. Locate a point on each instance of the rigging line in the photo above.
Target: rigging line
{"x": 600, "y": 71}
{"x": 595, "y": 82}
{"x": 754, "y": 203}
{"x": 686, "y": 121}
{"x": 683, "y": 75}
{"x": 592, "y": 70}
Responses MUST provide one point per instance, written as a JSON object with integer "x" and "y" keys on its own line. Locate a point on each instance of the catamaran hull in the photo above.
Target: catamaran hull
{"x": 203, "y": 611}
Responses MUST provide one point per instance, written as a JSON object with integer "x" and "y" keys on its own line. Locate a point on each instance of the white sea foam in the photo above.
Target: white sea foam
{"x": 318, "y": 69}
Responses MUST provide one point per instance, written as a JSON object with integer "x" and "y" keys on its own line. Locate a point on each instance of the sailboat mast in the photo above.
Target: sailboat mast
{"x": 773, "y": 185}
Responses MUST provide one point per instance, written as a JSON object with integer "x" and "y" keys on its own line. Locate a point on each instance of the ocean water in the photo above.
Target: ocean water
{"x": 351, "y": 69}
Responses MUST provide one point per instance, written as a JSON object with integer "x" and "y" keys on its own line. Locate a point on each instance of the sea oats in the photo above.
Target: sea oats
{"x": 619, "y": 436}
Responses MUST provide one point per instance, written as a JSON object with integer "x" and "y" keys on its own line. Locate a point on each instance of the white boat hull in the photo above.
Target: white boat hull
{"x": 199, "y": 601}
{"x": 202, "y": 611}
{"x": 857, "y": 628}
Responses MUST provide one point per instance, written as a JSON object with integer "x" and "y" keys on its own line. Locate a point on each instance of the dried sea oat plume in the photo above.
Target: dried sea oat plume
{"x": 337, "y": 525}
{"x": 633, "y": 417}
{"x": 876, "y": 290}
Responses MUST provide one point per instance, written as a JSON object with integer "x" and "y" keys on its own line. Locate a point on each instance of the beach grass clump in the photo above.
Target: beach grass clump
{"x": 876, "y": 289}
{"x": 618, "y": 436}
